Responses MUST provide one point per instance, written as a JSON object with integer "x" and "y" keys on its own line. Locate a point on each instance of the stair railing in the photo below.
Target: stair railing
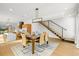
{"x": 49, "y": 25}
{"x": 62, "y": 28}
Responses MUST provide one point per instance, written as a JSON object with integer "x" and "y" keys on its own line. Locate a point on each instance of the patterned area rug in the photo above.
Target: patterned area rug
{"x": 44, "y": 50}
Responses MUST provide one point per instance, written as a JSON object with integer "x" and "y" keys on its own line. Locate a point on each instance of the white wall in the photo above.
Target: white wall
{"x": 69, "y": 24}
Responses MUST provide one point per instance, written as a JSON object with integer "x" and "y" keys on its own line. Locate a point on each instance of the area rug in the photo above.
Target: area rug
{"x": 43, "y": 50}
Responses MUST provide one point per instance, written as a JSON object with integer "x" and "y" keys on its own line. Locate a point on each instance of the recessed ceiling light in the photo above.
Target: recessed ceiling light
{"x": 10, "y": 9}
{"x": 70, "y": 15}
{"x": 66, "y": 8}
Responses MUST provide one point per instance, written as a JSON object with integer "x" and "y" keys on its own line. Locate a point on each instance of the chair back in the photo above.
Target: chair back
{"x": 41, "y": 39}
{"x": 46, "y": 36}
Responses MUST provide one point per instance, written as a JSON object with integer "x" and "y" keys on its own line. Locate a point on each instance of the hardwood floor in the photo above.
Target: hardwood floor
{"x": 64, "y": 48}
{"x": 5, "y": 48}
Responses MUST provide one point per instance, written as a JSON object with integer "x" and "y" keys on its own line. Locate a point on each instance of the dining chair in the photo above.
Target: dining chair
{"x": 46, "y": 37}
{"x": 41, "y": 40}
{"x": 24, "y": 40}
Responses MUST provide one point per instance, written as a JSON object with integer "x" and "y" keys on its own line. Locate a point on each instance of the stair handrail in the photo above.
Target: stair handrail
{"x": 50, "y": 21}
{"x": 57, "y": 24}
{"x": 53, "y": 23}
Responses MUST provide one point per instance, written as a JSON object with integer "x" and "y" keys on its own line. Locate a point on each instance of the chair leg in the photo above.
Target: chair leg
{"x": 47, "y": 42}
{"x": 23, "y": 46}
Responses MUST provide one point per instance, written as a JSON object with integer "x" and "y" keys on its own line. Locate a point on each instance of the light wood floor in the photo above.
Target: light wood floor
{"x": 64, "y": 49}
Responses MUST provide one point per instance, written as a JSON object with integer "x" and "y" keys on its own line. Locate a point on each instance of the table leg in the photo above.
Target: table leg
{"x": 33, "y": 45}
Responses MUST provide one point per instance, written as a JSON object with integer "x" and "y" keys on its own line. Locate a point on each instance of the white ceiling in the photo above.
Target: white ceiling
{"x": 26, "y": 10}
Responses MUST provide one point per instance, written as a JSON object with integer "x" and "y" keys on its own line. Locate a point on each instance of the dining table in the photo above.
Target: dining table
{"x": 33, "y": 38}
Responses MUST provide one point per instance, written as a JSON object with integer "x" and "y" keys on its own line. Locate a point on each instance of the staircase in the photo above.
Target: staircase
{"x": 52, "y": 29}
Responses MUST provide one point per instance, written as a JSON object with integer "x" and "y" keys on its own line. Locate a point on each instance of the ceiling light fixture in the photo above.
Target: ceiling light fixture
{"x": 70, "y": 15}
{"x": 66, "y": 8}
{"x": 11, "y": 9}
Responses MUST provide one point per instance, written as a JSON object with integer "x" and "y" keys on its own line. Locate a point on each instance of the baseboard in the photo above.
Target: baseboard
{"x": 77, "y": 46}
{"x": 65, "y": 39}
{"x": 68, "y": 41}
{"x": 71, "y": 40}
